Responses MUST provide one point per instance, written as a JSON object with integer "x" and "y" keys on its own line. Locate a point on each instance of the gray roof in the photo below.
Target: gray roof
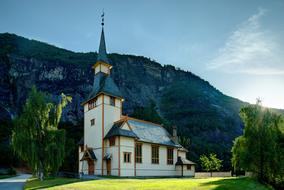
{"x": 103, "y": 83}
{"x": 117, "y": 131}
{"x": 184, "y": 161}
{"x": 152, "y": 133}
{"x": 102, "y": 56}
{"x": 89, "y": 153}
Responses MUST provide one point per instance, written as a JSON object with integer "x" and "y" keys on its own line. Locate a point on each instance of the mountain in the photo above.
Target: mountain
{"x": 152, "y": 91}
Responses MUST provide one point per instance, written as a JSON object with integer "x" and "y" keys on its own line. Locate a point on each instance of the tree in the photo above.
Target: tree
{"x": 211, "y": 163}
{"x": 36, "y": 137}
{"x": 259, "y": 149}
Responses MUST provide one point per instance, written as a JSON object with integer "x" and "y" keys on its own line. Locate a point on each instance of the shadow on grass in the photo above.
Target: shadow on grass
{"x": 34, "y": 184}
{"x": 241, "y": 183}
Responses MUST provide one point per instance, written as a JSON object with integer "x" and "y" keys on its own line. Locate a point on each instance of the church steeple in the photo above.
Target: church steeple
{"x": 102, "y": 65}
{"x": 102, "y": 56}
{"x": 103, "y": 83}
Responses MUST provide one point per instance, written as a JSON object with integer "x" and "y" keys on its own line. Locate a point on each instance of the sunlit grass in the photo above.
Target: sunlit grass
{"x": 148, "y": 184}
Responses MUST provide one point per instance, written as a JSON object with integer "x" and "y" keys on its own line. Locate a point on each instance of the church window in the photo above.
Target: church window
{"x": 188, "y": 167}
{"x": 93, "y": 122}
{"x": 112, "y": 141}
{"x": 138, "y": 153}
{"x": 170, "y": 156}
{"x": 155, "y": 154}
{"x": 127, "y": 157}
{"x": 92, "y": 104}
{"x": 112, "y": 101}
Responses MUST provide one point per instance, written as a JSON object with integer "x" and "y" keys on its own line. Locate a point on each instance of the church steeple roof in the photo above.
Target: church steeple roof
{"x": 102, "y": 55}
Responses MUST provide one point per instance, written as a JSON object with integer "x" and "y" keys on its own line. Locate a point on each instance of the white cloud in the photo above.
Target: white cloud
{"x": 250, "y": 49}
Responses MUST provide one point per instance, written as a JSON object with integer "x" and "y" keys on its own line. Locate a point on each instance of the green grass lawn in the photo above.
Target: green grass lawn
{"x": 148, "y": 184}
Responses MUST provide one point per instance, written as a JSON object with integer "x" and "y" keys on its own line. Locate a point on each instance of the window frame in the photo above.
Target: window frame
{"x": 155, "y": 154}
{"x": 170, "y": 155}
{"x": 112, "y": 101}
{"x": 92, "y": 104}
{"x": 93, "y": 122}
{"x": 112, "y": 141}
{"x": 188, "y": 167}
{"x": 138, "y": 153}
{"x": 127, "y": 157}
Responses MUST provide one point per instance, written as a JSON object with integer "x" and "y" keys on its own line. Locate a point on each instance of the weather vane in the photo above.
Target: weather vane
{"x": 103, "y": 18}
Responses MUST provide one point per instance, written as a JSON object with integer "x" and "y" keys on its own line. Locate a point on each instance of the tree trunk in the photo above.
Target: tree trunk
{"x": 211, "y": 173}
{"x": 41, "y": 173}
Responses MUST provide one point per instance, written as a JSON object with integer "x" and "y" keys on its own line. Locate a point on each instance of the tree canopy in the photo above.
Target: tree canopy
{"x": 260, "y": 149}
{"x": 36, "y": 137}
{"x": 210, "y": 163}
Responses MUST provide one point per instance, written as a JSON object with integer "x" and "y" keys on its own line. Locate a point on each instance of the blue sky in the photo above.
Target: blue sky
{"x": 237, "y": 45}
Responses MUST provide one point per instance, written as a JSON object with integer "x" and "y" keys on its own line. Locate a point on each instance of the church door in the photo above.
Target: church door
{"x": 91, "y": 167}
{"x": 108, "y": 167}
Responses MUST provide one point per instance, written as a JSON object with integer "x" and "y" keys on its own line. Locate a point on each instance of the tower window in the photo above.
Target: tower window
{"x": 127, "y": 157}
{"x": 112, "y": 101}
{"x": 93, "y": 122}
{"x": 92, "y": 104}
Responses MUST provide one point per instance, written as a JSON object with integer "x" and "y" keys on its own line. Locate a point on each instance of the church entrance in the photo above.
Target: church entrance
{"x": 108, "y": 162}
{"x": 91, "y": 167}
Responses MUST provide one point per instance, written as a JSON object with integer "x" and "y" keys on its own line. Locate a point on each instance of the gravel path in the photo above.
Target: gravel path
{"x": 14, "y": 183}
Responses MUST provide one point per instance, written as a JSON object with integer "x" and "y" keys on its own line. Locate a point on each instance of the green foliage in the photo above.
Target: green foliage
{"x": 36, "y": 137}
{"x": 211, "y": 163}
{"x": 260, "y": 149}
{"x": 204, "y": 115}
{"x": 148, "y": 113}
{"x": 73, "y": 135}
{"x": 184, "y": 141}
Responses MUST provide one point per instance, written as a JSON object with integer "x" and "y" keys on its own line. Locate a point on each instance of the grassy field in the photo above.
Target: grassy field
{"x": 148, "y": 184}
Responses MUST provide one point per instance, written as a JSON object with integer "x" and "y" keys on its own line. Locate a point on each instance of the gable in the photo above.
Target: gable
{"x": 125, "y": 126}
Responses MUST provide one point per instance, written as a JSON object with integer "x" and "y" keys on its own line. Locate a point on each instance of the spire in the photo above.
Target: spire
{"x": 102, "y": 56}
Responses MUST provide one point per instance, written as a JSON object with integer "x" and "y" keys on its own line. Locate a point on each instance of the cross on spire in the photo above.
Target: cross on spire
{"x": 102, "y": 55}
{"x": 103, "y": 18}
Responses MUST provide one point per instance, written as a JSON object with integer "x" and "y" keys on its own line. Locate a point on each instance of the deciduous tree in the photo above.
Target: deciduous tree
{"x": 36, "y": 137}
{"x": 211, "y": 163}
{"x": 259, "y": 149}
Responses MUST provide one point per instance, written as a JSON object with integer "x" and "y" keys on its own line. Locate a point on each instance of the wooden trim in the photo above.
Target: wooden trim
{"x": 134, "y": 157}
{"x": 103, "y": 121}
{"x": 120, "y": 108}
{"x": 118, "y": 155}
{"x": 131, "y": 118}
{"x": 103, "y": 63}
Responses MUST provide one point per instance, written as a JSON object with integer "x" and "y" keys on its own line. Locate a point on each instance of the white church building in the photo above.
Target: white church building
{"x": 117, "y": 145}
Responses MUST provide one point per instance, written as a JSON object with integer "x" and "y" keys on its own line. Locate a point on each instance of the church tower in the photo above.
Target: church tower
{"x": 102, "y": 107}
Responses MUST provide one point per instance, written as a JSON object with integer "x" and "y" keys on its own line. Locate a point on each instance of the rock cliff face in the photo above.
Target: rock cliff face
{"x": 201, "y": 112}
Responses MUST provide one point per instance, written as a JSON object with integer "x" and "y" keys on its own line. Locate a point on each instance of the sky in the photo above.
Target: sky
{"x": 236, "y": 45}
